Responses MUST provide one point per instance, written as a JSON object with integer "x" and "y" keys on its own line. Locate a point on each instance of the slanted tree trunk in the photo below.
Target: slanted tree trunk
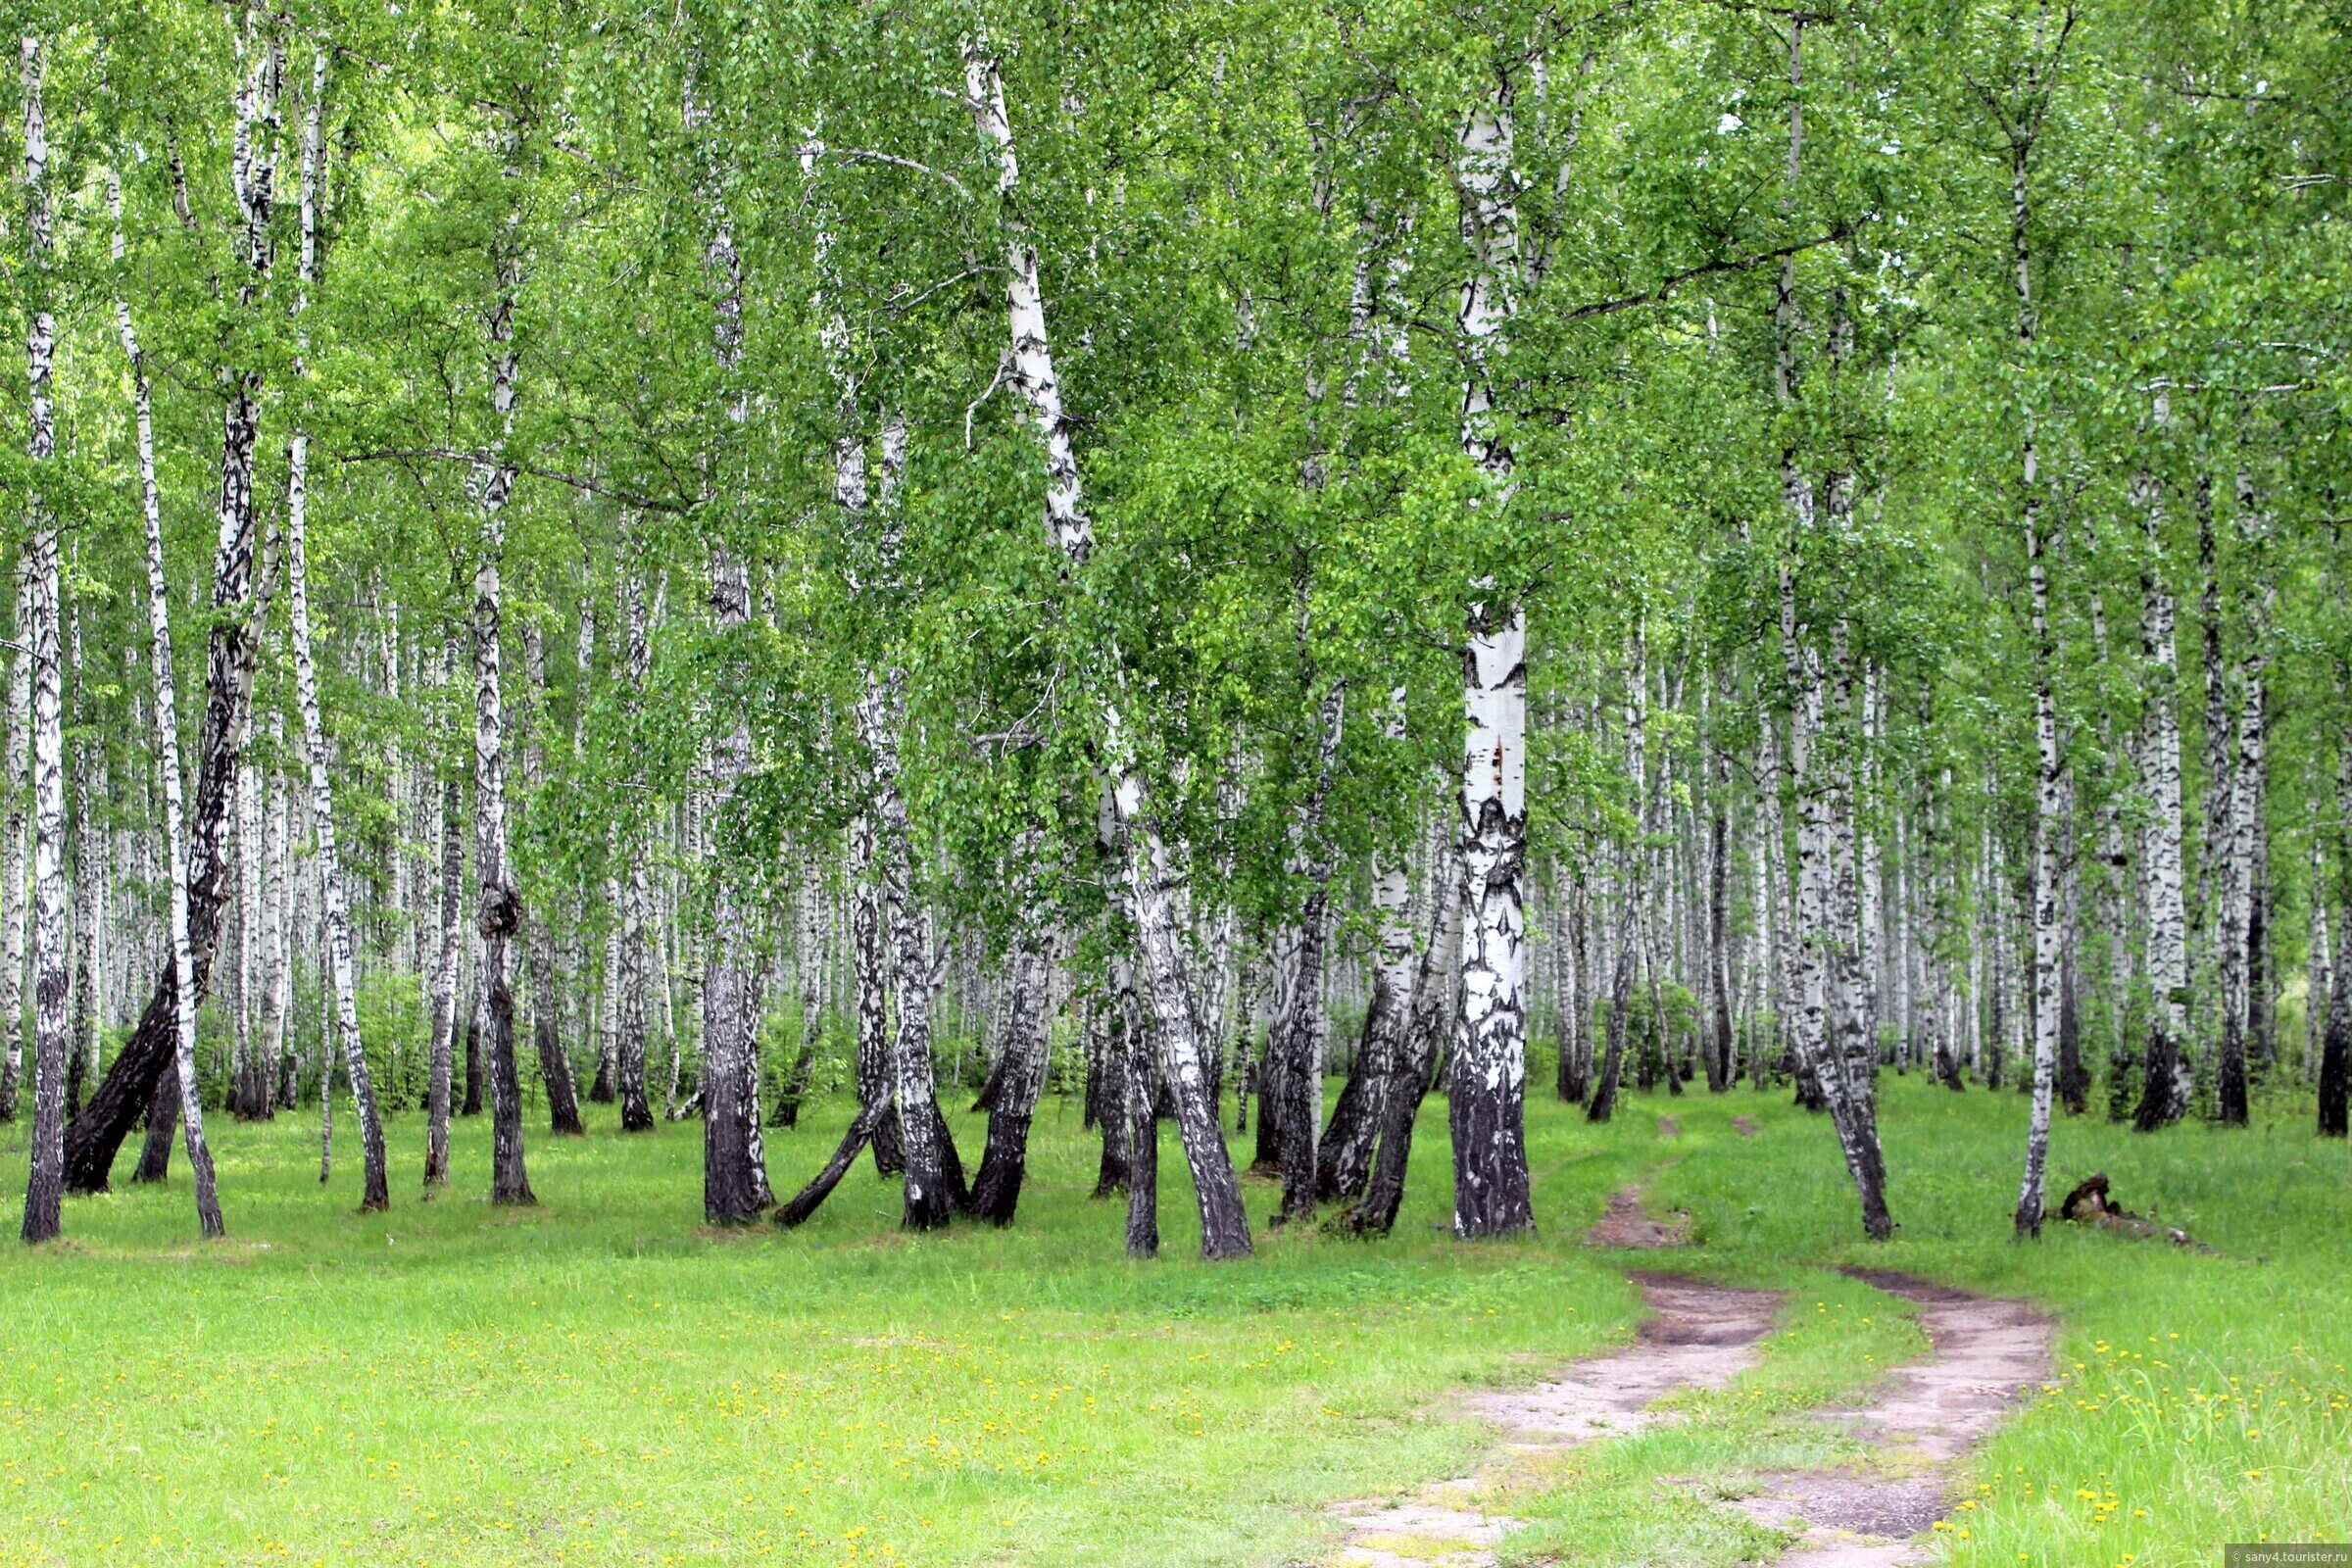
{"x": 163, "y": 1105}
{"x": 810, "y": 964}
{"x": 1106, "y": 1088}
{"x": 1849, "y": 1108}
{"x": 1437, "y": 991}
{"x": 1343, "y": 1163}
{"x": 1020, "y": 1074}
{"x": 97, "y": 1134}
{"x": 1155, "y": 887}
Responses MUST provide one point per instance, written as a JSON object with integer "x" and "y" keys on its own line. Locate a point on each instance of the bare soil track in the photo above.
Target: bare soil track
{"x": 1984, "y": 1355}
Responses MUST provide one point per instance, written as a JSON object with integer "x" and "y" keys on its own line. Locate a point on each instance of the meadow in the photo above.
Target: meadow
{"x": 600, "y": 1380}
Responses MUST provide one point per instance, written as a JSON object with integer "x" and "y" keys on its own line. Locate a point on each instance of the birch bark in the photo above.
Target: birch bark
{"x": 337, "y": 900}
{"x": 499, "y": 915}
{"x": 130, "y": 1087}
{"x": 167, "y": 750}
{"x": 1487, "y": 1085}
{"x": 734, "y": 1180}
{"x": 44, "y": 1188}
{"x": 1154, "y": 886}
{"x": 13, "y": 845}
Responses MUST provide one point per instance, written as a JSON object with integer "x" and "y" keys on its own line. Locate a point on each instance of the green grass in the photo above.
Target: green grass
{"x": 601, "y": 1381}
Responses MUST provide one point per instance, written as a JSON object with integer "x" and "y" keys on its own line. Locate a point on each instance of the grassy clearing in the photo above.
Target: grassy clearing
{"x": 600, "y": 1381}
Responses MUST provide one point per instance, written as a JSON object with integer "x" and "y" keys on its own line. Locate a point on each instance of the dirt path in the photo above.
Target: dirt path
{"x": 1700, "y": 1335}
{"x": 1984, "y": 1355}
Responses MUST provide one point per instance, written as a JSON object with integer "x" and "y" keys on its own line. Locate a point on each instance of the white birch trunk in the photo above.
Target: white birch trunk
{"x": 499, "y": 917}
{"x": 1156, "y": 887}
{"x": 1487, "y": 1083}
{"x": 13, "y": 844}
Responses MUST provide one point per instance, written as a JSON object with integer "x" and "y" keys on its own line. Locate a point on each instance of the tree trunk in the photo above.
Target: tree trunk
{"x": 734, "y": 1167}
{"x": 1020, "y": 1077}
{"x": 547, "y": 1003}
{"x": 1153, "y": 884}
{"x": 2335, "y": 1050}
{"x": 1131, "y": 1037}
{"x": 1436, "y": 992}
{"x": 810, "y": 964}
{"x": 631, "y": 972}
{"x": 445, "y": 980}
{"x": 499, "y": 913}
{"x": 1305, "y": 1034}
{"x": 97, "y": 1134}
{"x": 2165, "y": 1097}
{"x": 1107, "y": 1087}
{"x": 13, "y": 844}
{"x": 1343, "y": 1163}
{"x": 44, "y": 1188}
{"x": 378, "y": 1193}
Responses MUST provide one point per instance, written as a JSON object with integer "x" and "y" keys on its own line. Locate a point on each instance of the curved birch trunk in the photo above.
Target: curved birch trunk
{"x": 1436, "y": 992}
{"x": 1020, "y": 1077}
{"x": 1305, "y": 1032}
{"x": 181, "y": 1081}
{"x": 1155, "y": 888}
{"x": 129, "y": 1086}
{"x": 1343, "y": 1162}
{"x": 337, "y": 900}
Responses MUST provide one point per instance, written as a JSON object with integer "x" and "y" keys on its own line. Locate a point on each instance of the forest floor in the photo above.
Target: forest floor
{"x": 601, "y": 1381}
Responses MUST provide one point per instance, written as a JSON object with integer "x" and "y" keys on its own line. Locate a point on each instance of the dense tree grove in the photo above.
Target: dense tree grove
{"x": 1192, "y": 556}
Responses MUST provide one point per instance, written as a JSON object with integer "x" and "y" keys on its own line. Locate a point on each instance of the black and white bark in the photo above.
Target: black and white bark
{"x": 1343, "y": 1163}
{"x": 546, "y": 1001}
{"x": 734, "y": 1175}
{"x": 1155, "y": 887}
{"x": 1437, "y": 995}
{"x": 18, "y": 757}
{"x": 1019, "y": 1076}
{"x": 335, "y": 900}
{"x": 1486, "y": 1088}
{"x": 1301, "y": 1037}
{"x": 2335, "y": 1048}
{"x": 634, "y": 958}
{"x": 499, "y": 914}
{"x": 448, "y": 953}
{"x": 44, "y": 1189}
{"x": 2168, "y": 1073}
{"x": 130, "y": 1087}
